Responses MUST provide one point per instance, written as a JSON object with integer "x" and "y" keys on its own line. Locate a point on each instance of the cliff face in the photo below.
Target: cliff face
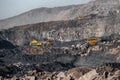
{"x": 102, "y": 8}
{"x": 70, "y": 30}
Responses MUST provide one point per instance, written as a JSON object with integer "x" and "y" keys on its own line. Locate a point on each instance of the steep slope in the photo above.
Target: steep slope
{"x": 102, "y": 7}
{"x": 70, "y": 30}
{"x": 6, "y": 45}
{"x": 17, "y": 61}
{"x": 37, "y": 15}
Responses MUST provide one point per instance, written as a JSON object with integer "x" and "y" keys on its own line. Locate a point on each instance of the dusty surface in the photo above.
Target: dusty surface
{"x": 100, "y": 7}
{"x": 70, "y": 57}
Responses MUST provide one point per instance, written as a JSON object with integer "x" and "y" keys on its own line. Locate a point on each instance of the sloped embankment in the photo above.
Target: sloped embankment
{"x": 70, "y": 30}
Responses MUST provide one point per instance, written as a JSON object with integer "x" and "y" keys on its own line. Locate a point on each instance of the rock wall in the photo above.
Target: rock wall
{"x": 63, "y": 30}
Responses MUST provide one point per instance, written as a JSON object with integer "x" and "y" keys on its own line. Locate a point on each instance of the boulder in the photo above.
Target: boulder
{"x": 89, "y": 76}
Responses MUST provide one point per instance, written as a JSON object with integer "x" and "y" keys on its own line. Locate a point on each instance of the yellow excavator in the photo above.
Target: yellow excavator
{"x": 86, "y": 16}
{"x": 49, "y": 42}
{"x": 35, "y": 43}
{"x": 80, "y": 17}
{"x": 92, "y": 40}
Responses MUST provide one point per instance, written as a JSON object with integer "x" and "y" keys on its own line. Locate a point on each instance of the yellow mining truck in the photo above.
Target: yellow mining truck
{"x": 92, "y": 40}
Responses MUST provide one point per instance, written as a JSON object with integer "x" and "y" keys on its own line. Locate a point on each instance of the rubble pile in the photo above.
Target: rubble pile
{"x": 78, "y": 73}
{"x": 64, "y": 62}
